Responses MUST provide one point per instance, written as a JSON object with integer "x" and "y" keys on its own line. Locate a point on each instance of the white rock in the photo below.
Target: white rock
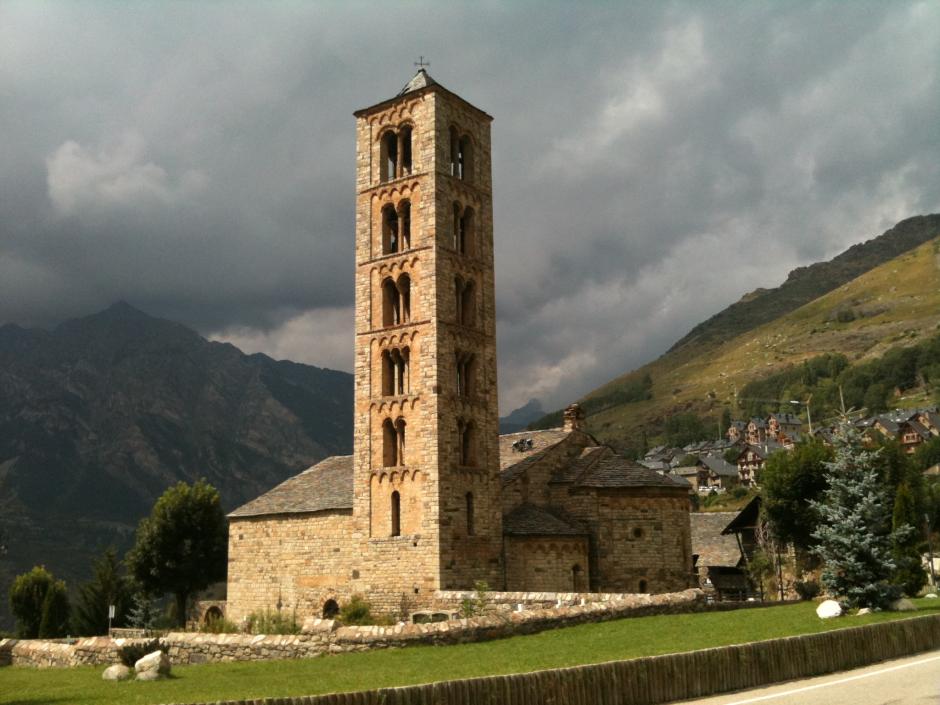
{"x": 829, "y": 609}
{"x": 156, "y": 663}
{"x": 903, "y": 605}
{"x": 117, "y": 672}
{"x": 864, "y": 610}
{"x": 931, "y": 595}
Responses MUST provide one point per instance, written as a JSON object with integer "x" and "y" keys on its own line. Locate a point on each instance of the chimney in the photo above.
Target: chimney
{"x": 574, "y": 418}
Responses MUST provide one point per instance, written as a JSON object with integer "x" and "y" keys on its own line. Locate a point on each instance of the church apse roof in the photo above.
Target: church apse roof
{"x": 326, "y": 485}
{"x": 529, "y": 520}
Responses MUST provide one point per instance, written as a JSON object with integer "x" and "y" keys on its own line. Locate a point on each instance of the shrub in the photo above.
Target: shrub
{"x": 356, "y": 611}
{"x": 218, "y": 625}
{"x": 133, "y": 652}
{"x": 476, "y": 605}
{"x": 39, "y": 603}
{"x": 272, "y": 622}
{"x": 806, "y": 589}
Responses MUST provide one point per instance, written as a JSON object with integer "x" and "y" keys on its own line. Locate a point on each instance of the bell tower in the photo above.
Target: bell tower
{"x": 426, "y": 460}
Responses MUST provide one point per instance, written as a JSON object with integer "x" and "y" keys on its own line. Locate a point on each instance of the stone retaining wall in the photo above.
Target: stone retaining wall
{"x": 327, "y": 636}
{"x": 662, "y": 679}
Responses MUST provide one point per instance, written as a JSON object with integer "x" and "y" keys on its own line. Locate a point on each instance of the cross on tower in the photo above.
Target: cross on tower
{"x": 421, "y": 63}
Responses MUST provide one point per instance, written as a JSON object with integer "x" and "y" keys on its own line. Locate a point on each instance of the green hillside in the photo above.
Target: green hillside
{"x": 893, "y": 304}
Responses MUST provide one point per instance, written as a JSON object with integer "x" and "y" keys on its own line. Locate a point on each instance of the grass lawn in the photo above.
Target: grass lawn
{"x": 589, "y": 643}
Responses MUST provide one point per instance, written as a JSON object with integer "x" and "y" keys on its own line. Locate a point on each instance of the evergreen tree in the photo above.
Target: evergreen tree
{"x": 142, "y": 613}
{"x": 181, "y": 547}
{"x": 855, "y": 539}
{"x": 55, "y": 612}
{"x": 910, "y": 576}
{"x": 107, "y": 587}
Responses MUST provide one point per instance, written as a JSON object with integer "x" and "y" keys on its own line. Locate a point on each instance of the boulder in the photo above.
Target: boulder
{"x": 117, "y": 672}
{"x": 152, "y": 666}
{"x": 931, "y": 595}
{"x": 903, "y": 605}
{"x": 829, "y": 609}
{"x": 864, "y": 610}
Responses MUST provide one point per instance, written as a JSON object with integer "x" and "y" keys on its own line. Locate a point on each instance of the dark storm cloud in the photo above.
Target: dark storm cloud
{"x": 652, "y": 162}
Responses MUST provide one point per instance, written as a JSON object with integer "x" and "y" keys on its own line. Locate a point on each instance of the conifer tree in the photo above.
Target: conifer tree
{"x": 107, "y": 587}
{"x": 910, "y": 576}
{"x": 55, "y": 612}
{"x": 855, "y": 537}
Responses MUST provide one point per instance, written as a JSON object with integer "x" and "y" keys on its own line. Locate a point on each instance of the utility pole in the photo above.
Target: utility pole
{"x": 933, "y": 576}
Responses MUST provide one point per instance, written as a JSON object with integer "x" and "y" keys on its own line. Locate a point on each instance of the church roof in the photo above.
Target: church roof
{"x": 420, "y": 80}
{"x": 600, "y": 467}
{"x": 516, "y": 453}
{"x": 529, "y": 520}
{"x": 326, "y": 485}
{"x": 712, "y": 547}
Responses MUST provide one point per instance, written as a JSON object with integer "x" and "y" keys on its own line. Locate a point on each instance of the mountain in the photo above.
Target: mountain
{"x": 882, "y": 293}
{"x": 100, "y": 415}
{"x": 518, "y": 419}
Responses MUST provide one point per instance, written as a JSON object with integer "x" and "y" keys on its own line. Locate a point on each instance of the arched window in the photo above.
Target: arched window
{"x": 396, "y": 378}
{"x": 465, "y": 158}
{"x": 469, "y": 502}
{"x": 330, "y": 609}
{"x": 396, "y": 514}
{"x": 456, "y": 222}
{"x": 396, "y": 301}
{"x": 468, "y": 304}
{"x": 466, "y": 374}
{"x": 642, "y": 586}
{"x": 466, "y": 240}
{"x": 390, "y": 235}
{"x": 458, "y": 298}
{"x": 406, "y": 150}
{"x": 454, "y": 151}
{"x": 577, "y": 579}
{"x": 388, "y": 156}
{"x": 389, "y": 444}
{"x": 400, "y": 440}
{"x": 404, "y": 220}
{"x": 466, "y": 432}
{"x": 391, "y": 304}
{"x": 404, "y": 291}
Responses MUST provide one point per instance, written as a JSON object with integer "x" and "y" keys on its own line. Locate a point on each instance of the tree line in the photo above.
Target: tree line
{"x": 179, "y": 549}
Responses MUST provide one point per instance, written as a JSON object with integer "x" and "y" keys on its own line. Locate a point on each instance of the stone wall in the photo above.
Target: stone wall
{"x": 547, "y": 564}
{"x": 326, "y": 636}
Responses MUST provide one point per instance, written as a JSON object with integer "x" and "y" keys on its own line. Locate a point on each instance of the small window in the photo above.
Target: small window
{"x": 388, "y": 157}
{"x": 389, "y": 444}
{"x": 396, "y": 514}
{"x": 466, "y": 432}
{"x": 404, "y": 220}
{"x": 637, "y": 533}
{"x": 330, "y": 609}
{"x": 406, "y": 150}
{"x": 470, "y": 518}
{"x": 390, "y": 235}
{"x": 642, "y": 586}
{"x": 391, "y": 304}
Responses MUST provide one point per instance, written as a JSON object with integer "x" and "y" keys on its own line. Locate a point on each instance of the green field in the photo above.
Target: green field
{"x": 590, "y": 643}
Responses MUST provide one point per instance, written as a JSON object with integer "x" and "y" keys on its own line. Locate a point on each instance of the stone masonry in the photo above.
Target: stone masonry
{"x": 433, "y": 498}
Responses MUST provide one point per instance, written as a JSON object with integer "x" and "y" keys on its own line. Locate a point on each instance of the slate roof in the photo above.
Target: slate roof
{"x": 763, "y": 450}
{"x": 326, "y": 485}
{"x": 421, "y": 80}
{"x": 606, "y": 469}
{"x": 513, "y": 462}
{"x": 719, "y": 466}
{"x": 529, "y": 520}
{"x": 712, "y": 547}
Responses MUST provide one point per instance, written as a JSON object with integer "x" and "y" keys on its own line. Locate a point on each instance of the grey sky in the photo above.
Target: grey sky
{"x": 652, "y": 161}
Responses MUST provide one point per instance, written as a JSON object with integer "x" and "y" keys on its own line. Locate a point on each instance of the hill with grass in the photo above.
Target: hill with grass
{"x": 876, "y": 296}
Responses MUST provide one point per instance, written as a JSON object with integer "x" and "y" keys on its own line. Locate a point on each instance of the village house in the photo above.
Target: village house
{"x": 432, "y": 498}
{"x": 751, "y": 461}
{"x": 723, "y": 543}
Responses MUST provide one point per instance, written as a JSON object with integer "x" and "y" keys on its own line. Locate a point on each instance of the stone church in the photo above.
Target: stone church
{"x": 433, "y": 497}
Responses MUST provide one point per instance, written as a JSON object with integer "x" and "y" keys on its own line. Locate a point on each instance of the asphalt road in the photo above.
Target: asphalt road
{"x": 909, "y": 680}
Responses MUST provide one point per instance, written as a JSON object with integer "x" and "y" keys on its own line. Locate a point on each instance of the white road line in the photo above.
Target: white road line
{"x": 838, "y": 682}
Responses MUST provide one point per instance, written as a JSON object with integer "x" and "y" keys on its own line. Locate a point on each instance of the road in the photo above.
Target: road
{"x": 915, "y": 679}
